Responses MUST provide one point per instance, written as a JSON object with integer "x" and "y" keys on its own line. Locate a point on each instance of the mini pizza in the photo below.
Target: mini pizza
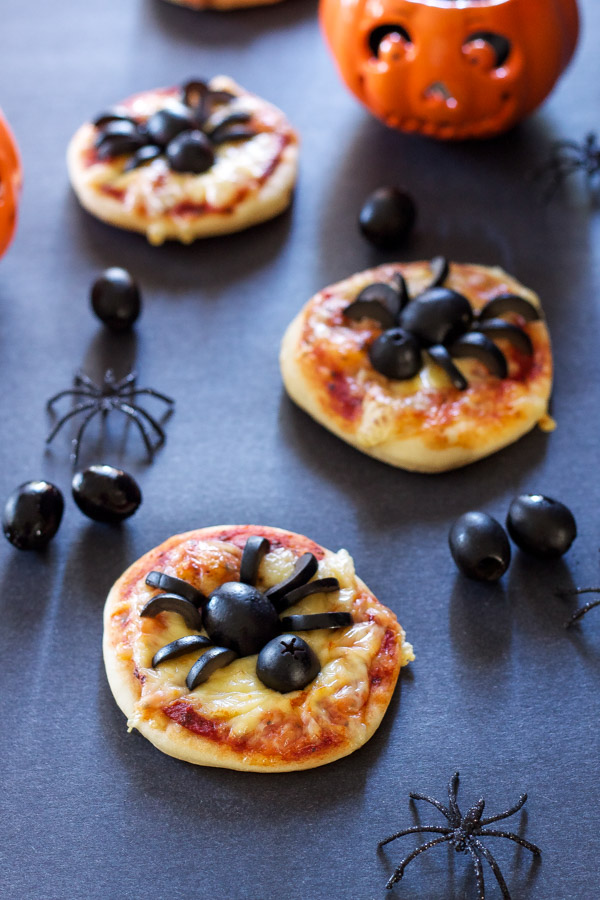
{"x": 250, "y": 648}
{"x": 183, "y": 163}
{"x": 426, "y": 366}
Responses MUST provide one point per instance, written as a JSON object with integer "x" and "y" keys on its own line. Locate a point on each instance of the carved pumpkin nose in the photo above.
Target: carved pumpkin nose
{"x": 439, "y": 93}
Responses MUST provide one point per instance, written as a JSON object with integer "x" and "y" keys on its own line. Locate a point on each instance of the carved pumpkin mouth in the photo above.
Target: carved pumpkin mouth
{"x": 438, "y": 93}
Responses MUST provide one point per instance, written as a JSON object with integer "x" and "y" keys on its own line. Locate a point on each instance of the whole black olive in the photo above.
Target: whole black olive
{"x": 396, "y": 354}
{"x": 541, "y": 526}
{"x": 479, "y": 546}
{"x": 240, "y": 617}
{"x": 106, "y": 494}
{"x": 190, "y": 151}
{"x": 287, "y": 663}
{"x": 437, "y": 315}
{"x": 166, "y": 124}
{"x": 387, "y": 217}
{"x": 116, "y": 299}
{"x": 32, "y": 515}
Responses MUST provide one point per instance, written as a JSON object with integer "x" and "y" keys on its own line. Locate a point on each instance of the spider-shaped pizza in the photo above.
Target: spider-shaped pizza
{"x": 201, "y": 663}
{"x": 427, "y": 366}
{"x": 186, "y": 162}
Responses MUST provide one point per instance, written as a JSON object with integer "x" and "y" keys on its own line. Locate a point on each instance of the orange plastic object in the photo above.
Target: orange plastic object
{"x": 451, "y": 69}
{"x": 10, "y": 184}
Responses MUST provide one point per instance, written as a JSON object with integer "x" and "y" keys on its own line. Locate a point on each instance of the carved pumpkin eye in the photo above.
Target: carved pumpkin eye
{"x": 395, "y": 33}
{"x": 486, "y": 49}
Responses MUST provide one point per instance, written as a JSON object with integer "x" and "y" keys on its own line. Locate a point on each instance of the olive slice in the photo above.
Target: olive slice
{"x": 499, "y": 328}
{"x": 180, "y": 647}
{"x": 176, "y": 586}
{"x": 379, "y": 301}
{"x": 142, "y": 157}
{"x": 209, "y": 662}
{"x": 193, "y": 92}
{"x": 241, "y": 133}
{"x": 220, "y": 97}
{"x": 441, "y": 358}
{"x": 320, "y": 586}
{"x": 118, "y": 128}
{"x": 235, "y": 118}
{"x": 254, "y": 550}
{"x": 440, "y": 269}
{"x": 509, "y": 303}
{"x": 173, "y": 603}
{"x": 477, "y": 346}
{"x": 317, "y": 620}
{"x": 400, "y": 284}
{"x": 112, "y": 116}
{"x": 304, "y": 570}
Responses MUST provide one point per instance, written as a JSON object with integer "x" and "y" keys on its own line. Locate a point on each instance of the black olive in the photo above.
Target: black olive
{"x": 106, "y": 494}
{"x": 142, "y": 157}
{"x": 234, "y": 118}
{"x": 190, "y": 151}
{"x": 287, "y": 663}
{"x": 180, "y": 647}
{"x": 396, "y": 354}
{"x": 498, "y": 328}
{"x": 379, "y": 301}
{"x": 166, "y": 124}
{"x": 172, "y": 603}
{"x": 477, "y": 346}
{"x": 113, "y": 116}
{"x": 255, "y": 549}
{"x": 32, "y": 515}
{"x": 541, "y": 526}
{"x": 116, "y": 299}
{"x": 118, "y": 137}
{"x": 319, "y": 586}
{"x": 479, "y": 546}
{"x": 176, "y": 586}
{"x": 241, "y": 133}
{"x": 387, "y": 217}
{"x": 442, "y": 358}
{"x": 400, "y": 284}
{"x": 240, "y": 617}
{"x": 440, "y": 269}
{"x": 209, "y": 662}
{"x": 314, "y": 621}
{"x": 509, "y": 303}
{"x": 437, "y": 316}
{"x": 193, "y": 92}
{"x": 304, "y": 570}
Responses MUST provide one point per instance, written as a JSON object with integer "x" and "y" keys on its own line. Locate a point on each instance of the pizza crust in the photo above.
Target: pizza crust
{"x": 288, "y": 732}
{"x": 250, "y": 183}
{"x": 425, "y": 424}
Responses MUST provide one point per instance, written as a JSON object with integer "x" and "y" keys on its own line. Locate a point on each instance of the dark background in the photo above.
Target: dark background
{"x": 499, "y": 690}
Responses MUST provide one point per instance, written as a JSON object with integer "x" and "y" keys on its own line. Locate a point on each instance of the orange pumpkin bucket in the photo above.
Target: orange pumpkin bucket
{"x": 10, "y": 184}
{"x": 451, "y": 69}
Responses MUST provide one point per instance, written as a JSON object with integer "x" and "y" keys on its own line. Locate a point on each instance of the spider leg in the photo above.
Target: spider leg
{"x": 493, "y": 865}
{"x": 581, "y": 612}
{"x": 433, "y": 802}
{"x": 81, "y": 407}
{"x": 150, "y": 419}
{"x": 478, "y": 872}
{"x": 555, "y": 174}
{"x": 492, "y": 832}
{"x": 567, "y": 145}
{"x": 398, "y": 873}
{"x": 452, "y": 792}
{"x": 126, "y": 382}
{"x": 416, "y": 829}
{"x": 133, "y": 414}
{"x": 71, "y": 392}
{"x": 153, "y": 393}
{"x": 79, "y": 435}
{"x": 81, "y": 379}
{"x": 509, "y": 812}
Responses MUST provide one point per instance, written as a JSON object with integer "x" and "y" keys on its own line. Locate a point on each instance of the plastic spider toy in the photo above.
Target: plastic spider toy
{"x": 442, "y": 323}
{"x": 102, "y": 398}
{"x": 240, "y": 620}
{"x": 566, "y": 158}
{"x": 463, "y": 834}
{"x": 579, "y": 613}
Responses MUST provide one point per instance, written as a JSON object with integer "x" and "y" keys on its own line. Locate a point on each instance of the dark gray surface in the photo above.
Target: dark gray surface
{"x": 498, "y": 689}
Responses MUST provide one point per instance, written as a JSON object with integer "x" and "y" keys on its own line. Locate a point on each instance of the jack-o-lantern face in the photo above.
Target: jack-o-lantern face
{"x": 10, "y": 184}
{"x": 451, "y": 68}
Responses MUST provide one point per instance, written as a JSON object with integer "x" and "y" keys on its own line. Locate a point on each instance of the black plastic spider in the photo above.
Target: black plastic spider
{"x": 463, "y": 834}
{"x": 579, "y": 613}
{"x": 566, "y": 158}
{"x": 102, "y": 398}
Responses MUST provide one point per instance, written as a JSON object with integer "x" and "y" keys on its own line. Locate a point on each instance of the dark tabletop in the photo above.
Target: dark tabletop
{"x": 498, "y": 691}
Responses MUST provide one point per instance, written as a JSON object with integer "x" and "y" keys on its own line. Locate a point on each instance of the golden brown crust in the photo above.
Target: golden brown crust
{"x": 424, "y": 424}
{"x": 294, "y": 731}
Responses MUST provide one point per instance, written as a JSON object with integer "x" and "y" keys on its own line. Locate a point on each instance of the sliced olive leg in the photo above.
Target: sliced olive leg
{"x": 241, "y": 133}
{"x": 400, "y": 284}
{"x": 176, "y": 586}
{"x": 509, "y": 303}
{"x": 209, "y": 662}
{"x": 304, "y": 570}
{"x": 441, "y": 358}
{"x": 173, "y": 603}
{"x": 498, "y": 328}
{"x": 317, "y": 620}
{"x": 254, "y": 550}
{"x": 180, "y": 647}
{"x": 320, "y": 586}
{"x": 476, "y": 346}
{"x": 440, "y": 269}
{"x": 378, "y": 301}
